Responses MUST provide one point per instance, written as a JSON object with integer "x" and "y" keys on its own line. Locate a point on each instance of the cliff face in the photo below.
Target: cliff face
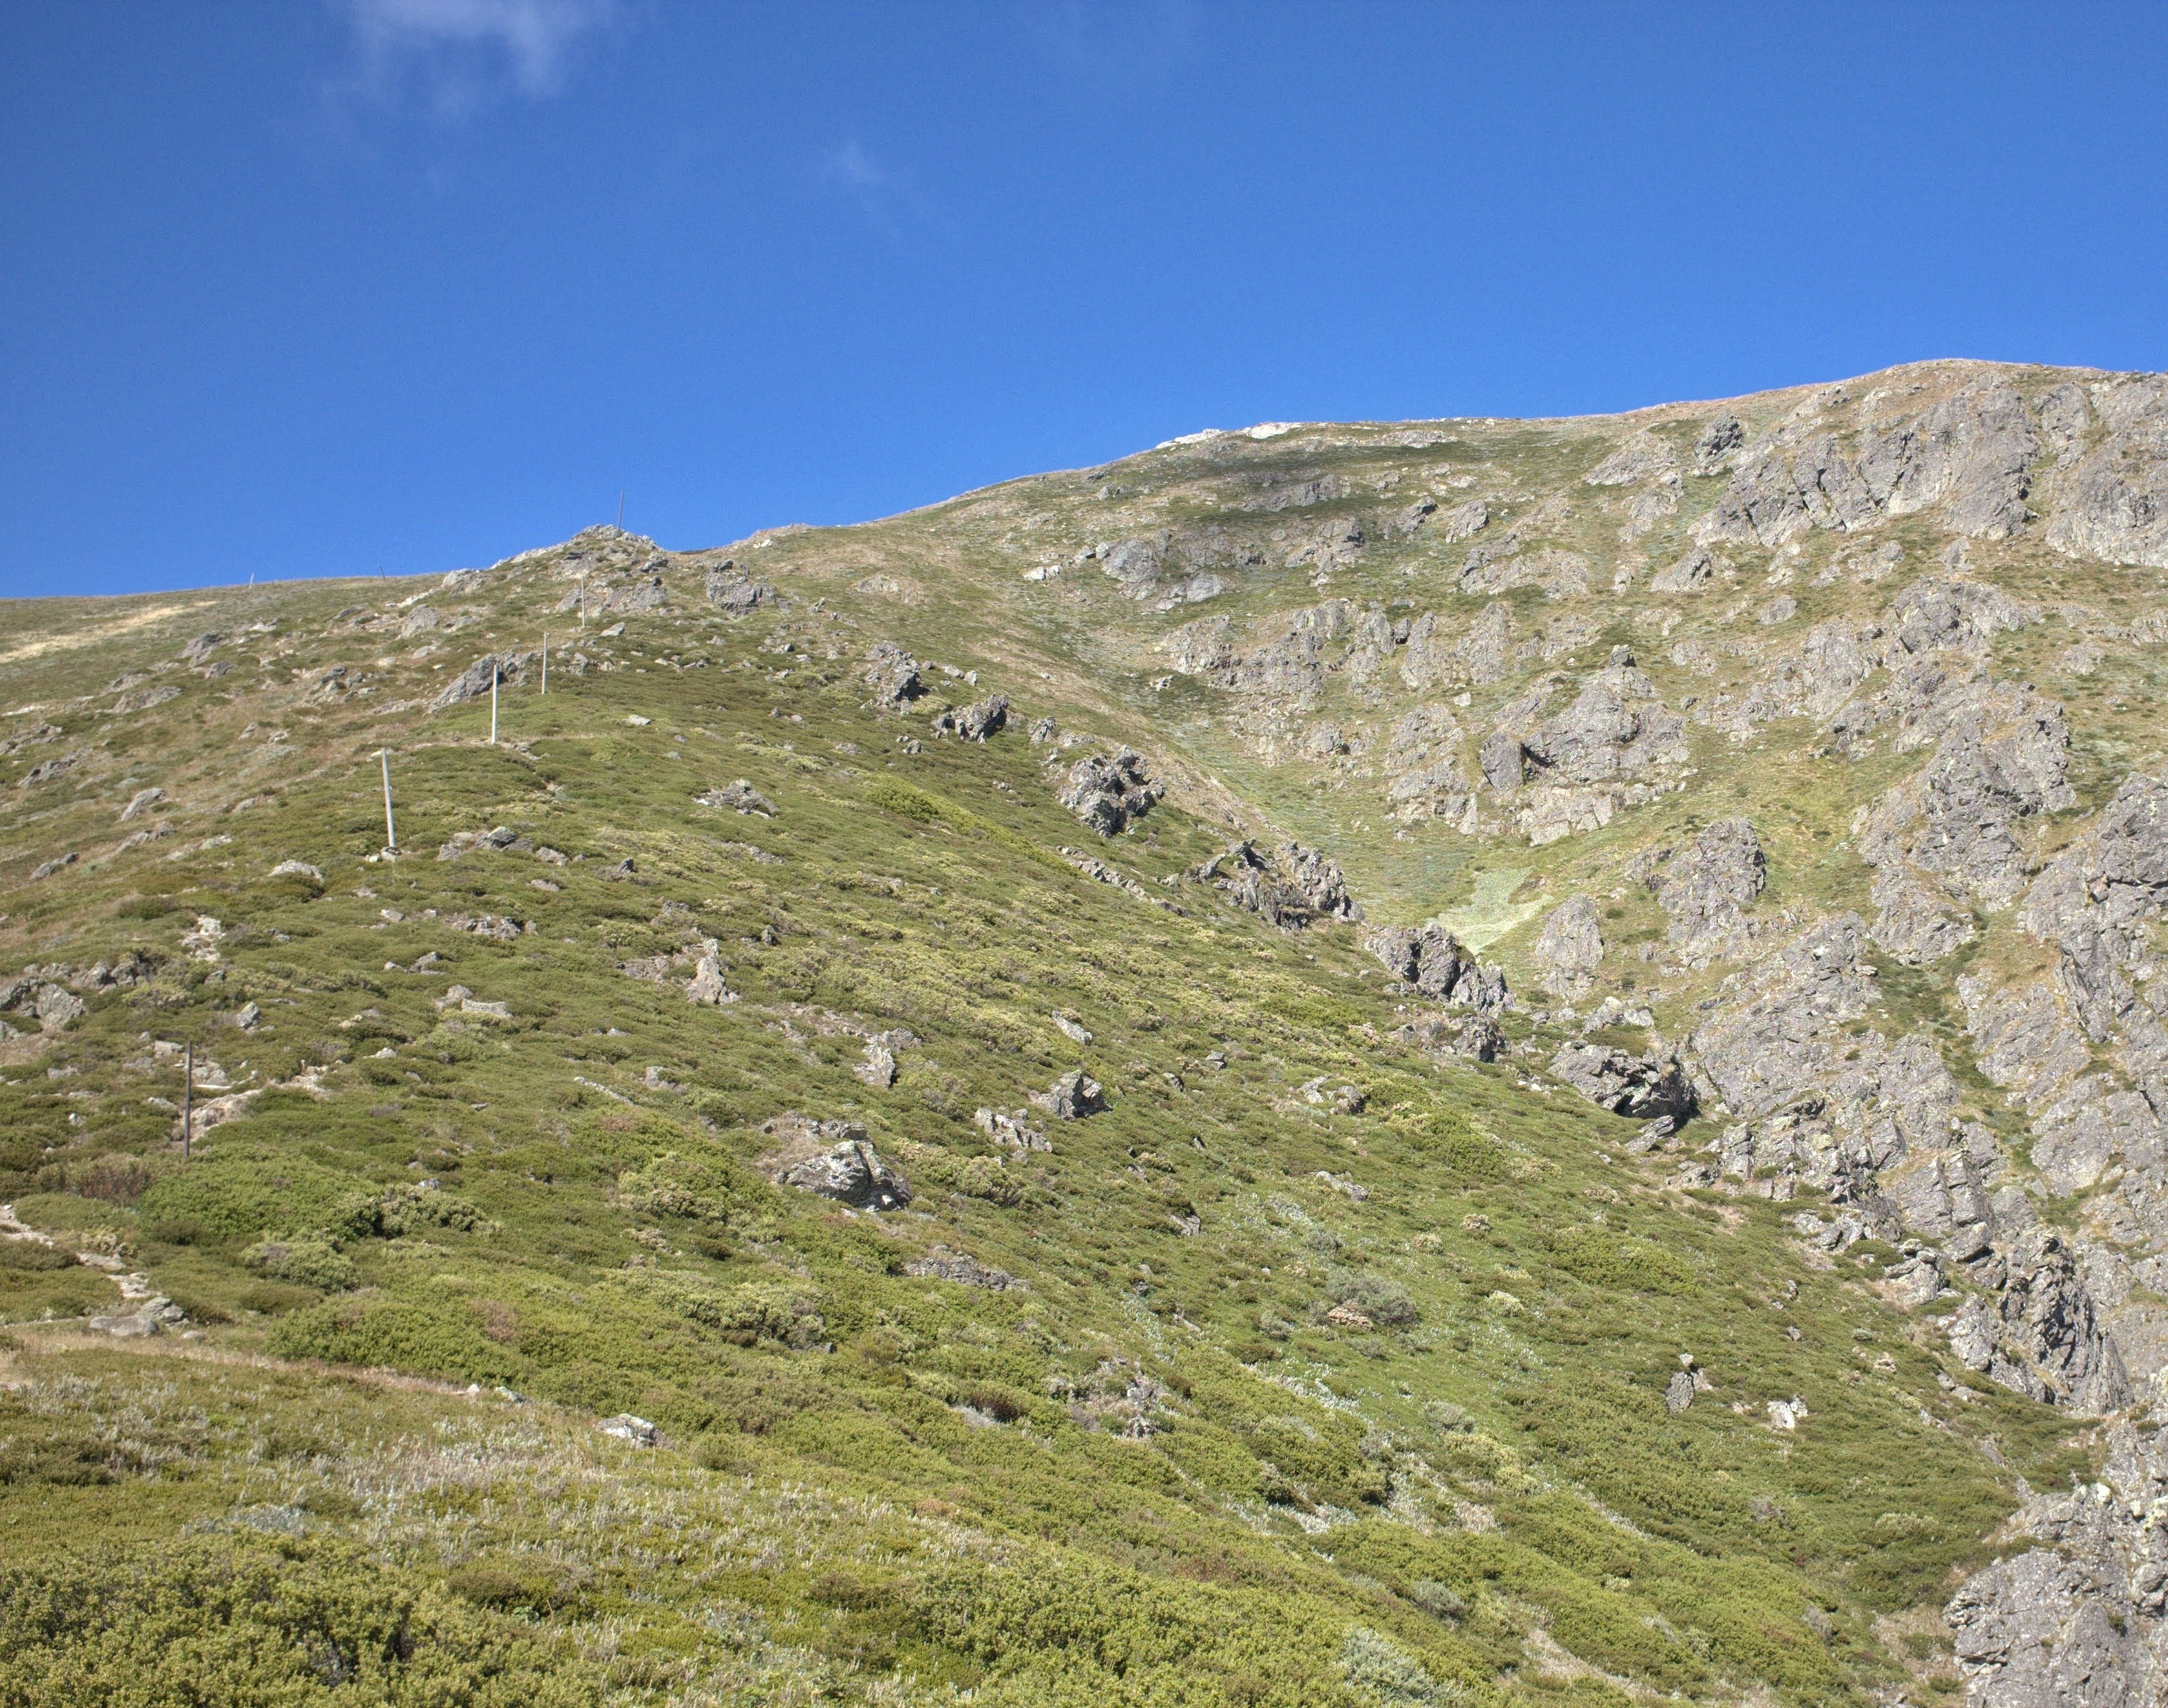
{"x": 1409, "y": 922}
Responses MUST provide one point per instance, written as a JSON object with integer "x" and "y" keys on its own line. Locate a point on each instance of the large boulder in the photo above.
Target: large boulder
{"x": 1435, "y": 961}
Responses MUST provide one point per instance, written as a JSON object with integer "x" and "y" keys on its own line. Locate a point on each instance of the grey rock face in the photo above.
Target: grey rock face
{"x": 1107, "y": 794}
{"x": 2113, "y": 506}
{"x": 1972, "y": 453}
{"x": 1616, "y": 726}
{"x": 1434, "y": 963}
{"x": 1641, "y": 1087}
{"x": 1643, "y": 457}
{"x": 418, "y": 621}
{"x": 1434, "y": 657}
{"x": 976, "y": 722}
{"x": 1570, "y": 948}
{"x": 736, "y": 593}
{"x": 1689, "y": 574}
{"x": 892, "y": 674}
{"x": 1707, "y": 887}
{"x": 1561, "y": 574}
{"x": 1424, "y": 778}
{"x": 474, "y": 682}
{"x": 1071, "y": 1097}
{"x": 852, "y": 1173}
{"x": 2076, "y": 1620}
{"x": 1292, "y": 887}
{"x": 1715, "y": 444}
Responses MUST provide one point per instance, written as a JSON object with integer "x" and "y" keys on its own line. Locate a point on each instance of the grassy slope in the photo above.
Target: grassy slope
{"x": 877, "y": 1485}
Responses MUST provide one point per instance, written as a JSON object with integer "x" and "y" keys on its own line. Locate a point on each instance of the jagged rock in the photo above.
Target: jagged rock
{"x": 1293, "y": 887}
{"x": 739, "y": 797}
{"x": 892, "y": 674}
{"x": 1136, "y": 563}
{"x": 1616, "y": 728}
{"x": 474, "y": 682}
{"x": 466, "y": 841}
{"x": 1713, "y": 445}
{"x": 201, "y": 648}
{"x": 734, "y": 593}
{"x": 2076, "y": 1620}
{"x": 1433, "y": 961}
{"x": 1679, "y": 1391}
{"x": 941, "y": 1263}
{"x": 1432, "y": 659}
{"x": 1707, "y": 887}
{"x": 974, "y": 722}
{"x": 643, "y": 594}
{"x": 2054, "y": 1346}
{"x": 297, "y": 868}
{"x": 851, "y": 1172}
{"x": 1107, "y": 792}
{"x": 1480, "y": 1036}
{"x": 1638, "y": 1086}
{"x": 706, "y": 985}
{"x": 1570, "y": 948}
{"x": 142, "y": 802}
{"x": 637, "y": 1431}
{"x": 418, "y": 621}
{"x": 1071, "y": 1097}
{"x": 1971, "y": 453}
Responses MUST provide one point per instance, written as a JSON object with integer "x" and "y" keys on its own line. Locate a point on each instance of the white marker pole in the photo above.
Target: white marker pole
{"x": 492, "y": 705}
{"x": 390, "y": 836}
{"x": 545, "y": 661}
{"x": 583, "y": 599}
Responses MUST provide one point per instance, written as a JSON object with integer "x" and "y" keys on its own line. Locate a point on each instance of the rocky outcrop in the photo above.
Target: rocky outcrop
{"x": 1570, "y": 948}
{"x": 1583, "y": 765}
{"x": 892, "y": 675}
{"x": 738, "y": 797}
{"x": 1707, "y": 887}
{"x": 1071, "y": 1097}
{"x": 1424, "y": 778}
{"x": 1561, "y": 574}
{"x": 734, "y": 593}
{"x": 2077, "y": 1620}
{"x": 1108, "y": 793}
{"x": 849, "y": 1169}
{"x": 1644, "y": 1087}
{"x": 977, "y": 722}
{"x": 1433, "y": 961}
{"x": 2113, "y": 505}
{"x": 1291, "y": 888}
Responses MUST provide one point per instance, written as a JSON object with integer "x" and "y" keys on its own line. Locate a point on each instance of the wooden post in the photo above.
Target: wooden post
{"x": 390, "y": 836}
{"x": 188, "y": 1097}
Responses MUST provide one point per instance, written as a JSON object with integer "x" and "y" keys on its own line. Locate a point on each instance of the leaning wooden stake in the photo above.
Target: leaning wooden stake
{"x": 390, "y": 836}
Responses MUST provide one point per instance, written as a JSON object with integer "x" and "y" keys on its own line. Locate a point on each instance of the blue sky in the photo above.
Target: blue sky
{"x": 313, "y": 289}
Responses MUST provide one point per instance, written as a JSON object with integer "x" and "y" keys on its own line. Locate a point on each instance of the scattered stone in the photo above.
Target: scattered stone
{"x": 418, "y": 621}
{"x": 739, "y": 797}
{"x": 975, "y": 722}
{"x": 1679, "y": 1391}
{"x": 1071, "y": 1029}
{"x": 1072, "y": 1096}
{"x": 298, "y": 868}
{"x": 1013, "y": 1129}
{"x": 46, "y": 868}
{"x": 466, "y": 841}
{"x": 625, "y": 1427}
{"x": 706, "y": 985}
{"x": 248, "y": 1017}
{"x": 142, "y": 802}
{"x": 941, "y": 1263}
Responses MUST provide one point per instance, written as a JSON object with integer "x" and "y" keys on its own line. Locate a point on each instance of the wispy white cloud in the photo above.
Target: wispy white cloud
{"x": 462, "y": 53}
{"x": 885, "y": 194}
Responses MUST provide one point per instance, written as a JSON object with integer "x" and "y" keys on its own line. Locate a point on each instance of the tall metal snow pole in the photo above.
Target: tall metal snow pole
{"x": 188, "y": 1097}
{"x": 493, "y": 704}
{"x": 390, "y": 836}
{"x": 545, "y": 661}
